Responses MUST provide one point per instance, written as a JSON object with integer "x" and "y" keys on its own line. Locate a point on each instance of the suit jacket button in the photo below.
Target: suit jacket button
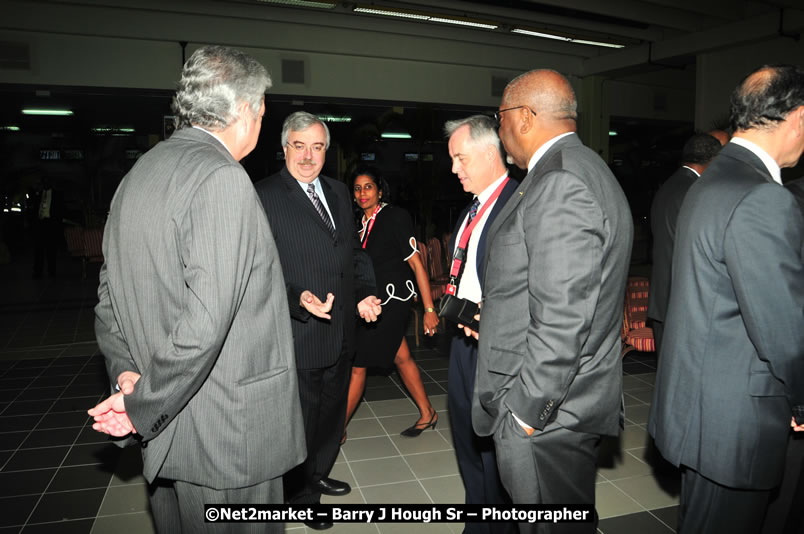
{"x": 541, "y": 417}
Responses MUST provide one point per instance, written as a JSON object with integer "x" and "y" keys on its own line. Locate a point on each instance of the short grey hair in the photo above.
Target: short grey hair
{"x": 299, "y": 121}
{"x": 482, "y": 130}
{"x": 214, "y": 82}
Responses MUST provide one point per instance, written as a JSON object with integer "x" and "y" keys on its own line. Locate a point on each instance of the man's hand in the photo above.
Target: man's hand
{"x": 126, "y": 381}
{"x": 369, "y": 308}
{"x": 468, "y": 331}
{"x": 795, "y": 427}
{"x": 111, "y": 417}
{"x": 313, "y": 304}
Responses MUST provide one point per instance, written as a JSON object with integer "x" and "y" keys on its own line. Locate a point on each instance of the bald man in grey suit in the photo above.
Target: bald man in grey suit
{"x": 193, "y": 317}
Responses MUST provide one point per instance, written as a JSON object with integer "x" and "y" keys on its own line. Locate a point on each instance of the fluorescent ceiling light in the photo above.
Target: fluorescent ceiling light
{"x": 566, "y": 38}
{"x": 597, "y": 43}
{"x": 54, "y": 112}
{"x": 16, "y": 209}
{"x": 419, "y": 15}
{"x": 612, "y": 132}
{"x": 395, "y": 135}
{"x": 301, "y": 3}
{"x": 540, "y": 34}
{"x": 461, "y": 22}
{"x": 335, "y": 118}
{"x": 10, "y": 128}
{"x": 389, "y": 13}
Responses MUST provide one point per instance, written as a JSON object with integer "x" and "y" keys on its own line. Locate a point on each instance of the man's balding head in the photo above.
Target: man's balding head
{"x": 544, "y": 91}
{"x": 536, "y": 107}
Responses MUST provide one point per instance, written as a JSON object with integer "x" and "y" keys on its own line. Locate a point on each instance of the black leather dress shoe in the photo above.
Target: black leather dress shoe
{"x": 318, "y": 525}
{"x": 330, "y": 486}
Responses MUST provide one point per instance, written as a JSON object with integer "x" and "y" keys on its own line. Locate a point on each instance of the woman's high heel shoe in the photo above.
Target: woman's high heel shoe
{"x": 418, "y": 428}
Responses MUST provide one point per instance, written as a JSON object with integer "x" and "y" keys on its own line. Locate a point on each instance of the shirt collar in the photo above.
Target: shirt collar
{"x": 213, "y": 135}
{"x": 488, "y": 191}
{"x": 697, "y": 174}
{"x": 758, "y": 151}
{"x": 534, "y": 159}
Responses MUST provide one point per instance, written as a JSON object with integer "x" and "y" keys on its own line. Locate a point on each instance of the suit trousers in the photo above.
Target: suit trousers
{"x": 476, "y": 458}
{"x": 785, "y": 513}
{"x": 552, "y": 466}
{"x": 323, "y": 393}
{"x": 658, "y": 332}
{"x": 707, "y": 506}
{"x": 178, "y": 507}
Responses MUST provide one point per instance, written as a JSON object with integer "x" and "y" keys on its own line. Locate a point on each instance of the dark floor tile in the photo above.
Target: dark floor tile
{"x": 88, "y": 435}
{"x": 384, "y": 393}
{"x": 18, "y": 422}
{"x": 639, "y": 523}
{"x": 637, "y": 368}
{"x": 437, "y": 375}
{"x": 9, "y": 394}
{"x": 668, "y": 516}
{"x": 37, "y": 363}
{"x": 72, "y": 360}
{"x": 68, "y": 505}
{"x": 10, "y": 530}
{"x": 92, "y": 379}
{"x": 50, "y": 438}
{"x": 28, "y": 373}
{"x": 12, "y": 440}
{"x": 68, "y": 370}
{"x": 81, "y": 526}
{"x": 25, "y": 459}
{"x": 81, "y": 477}
{"x": 52, "y": 392}
{"x": 75, "y": 404}
{"x": 16, "y": 509}
{"x": 84, "y": 390}
{"x": 15, "y": 383}
{"x": 47, "y": 381}
{"x": 25, "y": 482}
{"x": 62, "y": 420}
{"x": 28, "y": 407}
{"x": 96, "y": 453}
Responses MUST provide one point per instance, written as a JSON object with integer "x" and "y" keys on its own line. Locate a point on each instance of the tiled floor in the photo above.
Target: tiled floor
{"x": 57, "y": 475}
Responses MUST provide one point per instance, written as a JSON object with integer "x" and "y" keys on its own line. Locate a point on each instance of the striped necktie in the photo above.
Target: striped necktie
{"x": 473, "y": 210}
{"x": 319, "y": 207}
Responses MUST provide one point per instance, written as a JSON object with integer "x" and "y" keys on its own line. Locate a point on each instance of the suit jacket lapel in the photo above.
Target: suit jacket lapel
{"x": 332, "y": 203}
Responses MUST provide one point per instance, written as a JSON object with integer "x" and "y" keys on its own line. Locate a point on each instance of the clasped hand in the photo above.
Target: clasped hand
{"x": 110, "y": 414}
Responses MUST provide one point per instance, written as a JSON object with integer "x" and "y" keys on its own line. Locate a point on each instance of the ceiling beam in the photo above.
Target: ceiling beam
{"x": 637, "y": 11}
{"x": 730, "y": 35}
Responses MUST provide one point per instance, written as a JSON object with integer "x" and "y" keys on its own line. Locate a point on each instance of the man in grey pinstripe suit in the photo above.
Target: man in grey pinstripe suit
{"x": 193, "y": 318}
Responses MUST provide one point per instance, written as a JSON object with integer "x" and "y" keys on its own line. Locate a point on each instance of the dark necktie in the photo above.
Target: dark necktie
{"x": 320, "y": 208}
{"x": 473, "y": 211}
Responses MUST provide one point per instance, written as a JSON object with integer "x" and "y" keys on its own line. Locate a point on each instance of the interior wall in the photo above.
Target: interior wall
{"x": 719, "y": 73}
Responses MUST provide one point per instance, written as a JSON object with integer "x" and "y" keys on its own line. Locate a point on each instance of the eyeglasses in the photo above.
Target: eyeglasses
{"x": 497, "y": 114}
{"x": 301, "y": 147}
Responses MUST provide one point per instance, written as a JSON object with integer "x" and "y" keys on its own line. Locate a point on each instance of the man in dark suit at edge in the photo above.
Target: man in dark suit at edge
{"x": 478, "y": 162}
{"x": 698, "y": 151}
{"x": 312, "y": 221}
{"x": 730, "y": 383}
{"x": 549, "y": 375}
{"x": 192, "y": 315}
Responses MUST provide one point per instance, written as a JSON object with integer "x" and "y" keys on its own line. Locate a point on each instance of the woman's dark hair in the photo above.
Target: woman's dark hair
{"x": 376, "y": 177}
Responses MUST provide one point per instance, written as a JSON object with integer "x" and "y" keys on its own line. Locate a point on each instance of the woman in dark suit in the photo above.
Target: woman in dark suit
{"x": 387, "y": 237}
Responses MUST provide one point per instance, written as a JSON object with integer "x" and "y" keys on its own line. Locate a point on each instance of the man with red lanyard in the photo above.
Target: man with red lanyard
{"x": 478, "y": 162}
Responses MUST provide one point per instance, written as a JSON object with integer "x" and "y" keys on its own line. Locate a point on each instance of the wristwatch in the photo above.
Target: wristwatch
{"x": 430, "y": 309}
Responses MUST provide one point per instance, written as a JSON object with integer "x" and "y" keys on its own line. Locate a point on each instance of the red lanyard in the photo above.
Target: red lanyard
{"x": 460, "y": 254}
{"x": 371, "y": 223}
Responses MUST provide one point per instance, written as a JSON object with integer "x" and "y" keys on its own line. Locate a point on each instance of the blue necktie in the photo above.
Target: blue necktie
{"x": 473, "y": 210}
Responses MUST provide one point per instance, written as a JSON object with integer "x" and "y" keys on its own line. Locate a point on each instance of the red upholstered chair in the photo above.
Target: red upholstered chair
{"x": 636, "y": 335}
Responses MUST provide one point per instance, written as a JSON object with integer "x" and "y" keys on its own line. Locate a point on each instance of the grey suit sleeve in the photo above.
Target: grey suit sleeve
{"x": 110, "y": 339}
{"x": 218, "y": 236}
{"x": 762, "y": 248}
{"x": 563, "y": 235}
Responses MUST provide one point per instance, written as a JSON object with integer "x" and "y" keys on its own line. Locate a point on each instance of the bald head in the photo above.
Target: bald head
{"x": 544, "y": 91}
{"x": 720, "y": 135}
